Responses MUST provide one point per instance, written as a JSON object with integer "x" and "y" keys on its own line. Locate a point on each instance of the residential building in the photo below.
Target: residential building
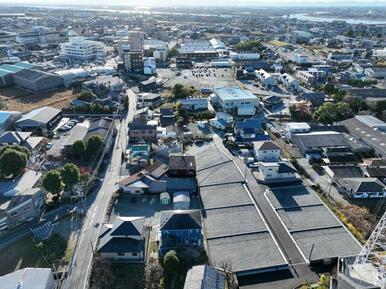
{"x": 182, "y": 166}
{"x": 104, "y": 84}
{"x": 28, "y": 278}
{"x": 306, "y": 77}
{"x": 8, "y": 119}
{"x": 235, "y": 100}
{"x": 140, "y": 130}
{"x": 204, "y": 277}
{"x": 249, "y": 130}
{"x": 151, "y": 100}
{"x": 377, "y": 169}
{"x": 167, "y": 117}
{"x": 133, "y": 61}
{"x": 290, "y": 82}
{"x": 136, "y": 40}
{"x": 40, "y": 119}
{"x": 281, "y": 171}
{"x": 222, "y": 120}
{"x": 38, "y": 35}
{"x": 80, "y": 50}
{"x": 21, "y": 138}
{"x": 123, "y": 240}
{"x": 36, "y": 80}
{"x": 194, "y": 103}
{"x": 362, "y": 188}
{"x": 180, "y": 229}
{"x": 300, "y": 58}
{"x": 148, "y": 85}
{"x": 22, "y": 207}
{"x": 265, "y": 78}
{"x": 266, "y": 151}
{"x": 297, "y": 127}
{"x": 149, "y": 66}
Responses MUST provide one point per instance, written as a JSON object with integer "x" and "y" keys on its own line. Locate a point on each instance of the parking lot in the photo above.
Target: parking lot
{"x": 199, "y": 78}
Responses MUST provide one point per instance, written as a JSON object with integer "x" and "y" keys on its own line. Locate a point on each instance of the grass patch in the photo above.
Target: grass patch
{"x": 278, "y": 43}
{"x": 128, "y": 276}
{"x": 54, "y": 249}
{"x": 21, "y": 254}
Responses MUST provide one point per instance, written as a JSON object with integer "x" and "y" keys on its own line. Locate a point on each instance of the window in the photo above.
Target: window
{"x": 135, "y": 254}
{"x": 121, "y": 254}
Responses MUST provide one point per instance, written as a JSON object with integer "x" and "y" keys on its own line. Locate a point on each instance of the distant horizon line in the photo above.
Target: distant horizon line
{"x": 241, "y": 5}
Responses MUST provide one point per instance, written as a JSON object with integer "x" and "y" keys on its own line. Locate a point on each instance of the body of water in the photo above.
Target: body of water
{"x": 306, "y": 17}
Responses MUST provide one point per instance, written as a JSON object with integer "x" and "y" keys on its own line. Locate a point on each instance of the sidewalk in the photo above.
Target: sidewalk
{"x": 324, "y": 184}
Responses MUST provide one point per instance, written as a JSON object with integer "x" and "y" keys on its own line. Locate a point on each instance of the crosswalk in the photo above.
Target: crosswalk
{"x": 42, "y": 232}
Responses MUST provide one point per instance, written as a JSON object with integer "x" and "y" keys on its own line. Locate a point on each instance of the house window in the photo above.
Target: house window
{"x": 135, "y": 254}
{"x": 121, "y": 254}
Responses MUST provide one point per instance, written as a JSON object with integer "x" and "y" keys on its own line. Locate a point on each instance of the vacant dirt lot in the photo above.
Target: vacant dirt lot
{"x": 21, "y": 100}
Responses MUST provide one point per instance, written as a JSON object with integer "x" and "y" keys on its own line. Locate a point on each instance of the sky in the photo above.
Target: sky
{"x": 328, "y": 3}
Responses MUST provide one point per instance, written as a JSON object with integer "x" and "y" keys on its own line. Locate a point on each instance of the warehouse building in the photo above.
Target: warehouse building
{"x": 7, "y": 72}
{"x": 36, "y": 80}
{"x": 41, "y": 119}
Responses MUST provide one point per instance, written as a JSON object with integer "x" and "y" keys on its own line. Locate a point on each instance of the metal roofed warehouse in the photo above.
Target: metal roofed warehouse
{"x": 234, "y": 228}
{"x": 43, "y": 118}
{"x": 315, "y": 229}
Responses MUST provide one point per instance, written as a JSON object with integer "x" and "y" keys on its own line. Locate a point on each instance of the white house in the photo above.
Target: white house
{"x": 266, "y": 151}
{"x": 297, "y": 127}
{"x": 290, "y": 82}
{"x": 265, "y": 78}
{"x": 270, "y": 172}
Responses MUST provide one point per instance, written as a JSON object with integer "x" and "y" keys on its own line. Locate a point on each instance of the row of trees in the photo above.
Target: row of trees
{"x": 87, "y": 149}
{"x": 13, "y": 160}
{"x": 55, "y": 180}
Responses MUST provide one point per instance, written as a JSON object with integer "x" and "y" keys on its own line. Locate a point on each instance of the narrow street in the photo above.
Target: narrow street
{"x": 97, "y": 203}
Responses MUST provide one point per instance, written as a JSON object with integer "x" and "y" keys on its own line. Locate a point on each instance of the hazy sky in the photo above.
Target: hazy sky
{"x": 205, "y": 2}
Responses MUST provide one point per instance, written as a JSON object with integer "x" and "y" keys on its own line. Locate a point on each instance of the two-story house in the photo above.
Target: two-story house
{"x": 180, "y": 229}
{"x": 266, "y": 151}
{"x": 123, "y": 240}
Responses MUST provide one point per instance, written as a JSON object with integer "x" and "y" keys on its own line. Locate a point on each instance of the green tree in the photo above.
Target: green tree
{"x": 18, "y": 148}
{"x": 344, "y": 111}
{"x": 250, "y": 45}
{"x": 326, "y": 113}
{"x": 12, "y": 162}
{"x": 86, "y": 96}
{"x": 179, "y": 91}
{"x": 171, "y": 262}
{"x": 173, "y": 52}
{"x": 78, "y": 148}
{"x": 356, "y": 104}
{"x": 70, "y": 175}
{"x": 52, "y": 182}
{"x": 94, "y": 144}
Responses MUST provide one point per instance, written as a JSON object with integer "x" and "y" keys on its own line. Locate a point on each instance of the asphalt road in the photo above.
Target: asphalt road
{"x": 97, "y": 204}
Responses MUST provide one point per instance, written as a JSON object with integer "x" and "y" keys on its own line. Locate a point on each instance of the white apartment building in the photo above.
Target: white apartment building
{"x": 79, "y": 49}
